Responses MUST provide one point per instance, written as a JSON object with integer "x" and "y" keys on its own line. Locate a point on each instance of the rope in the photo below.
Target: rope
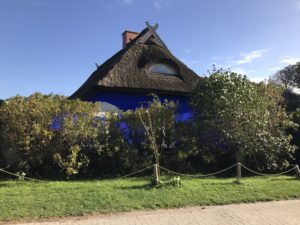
{"x": 203, "y": 175}
{"x": 28, "y": 178}
{"x": 128, "y": 175}
{"x": 4, "y": 168}
{"x": 16, "y": 175}
{"x": 170, "y": 171}
{"x": 264, "y": 174}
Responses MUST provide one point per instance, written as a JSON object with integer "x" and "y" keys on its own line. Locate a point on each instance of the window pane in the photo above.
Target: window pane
{"x": 162, "y": 68}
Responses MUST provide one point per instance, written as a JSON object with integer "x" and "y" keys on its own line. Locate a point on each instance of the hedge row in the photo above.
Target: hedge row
{"x": 49, "y": 136}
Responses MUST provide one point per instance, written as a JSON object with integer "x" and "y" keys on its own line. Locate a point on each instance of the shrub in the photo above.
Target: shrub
{"x": 33, "y": 145}
{"x": 51, "y": 136}
{"x": 242, "y": 118}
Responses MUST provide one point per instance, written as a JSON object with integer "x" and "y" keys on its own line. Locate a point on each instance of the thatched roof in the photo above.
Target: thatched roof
{"x": 128, "y": 69}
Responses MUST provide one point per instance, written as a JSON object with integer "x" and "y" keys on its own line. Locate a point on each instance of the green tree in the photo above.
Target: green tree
{"x": 2, "y": 160}
{"x": 295, "y": 115}
{"x": 247, "y": 118}
{"x": 288, "y": 76}
{"x": 289, "y": 79}
{"x": 158, "y": 121}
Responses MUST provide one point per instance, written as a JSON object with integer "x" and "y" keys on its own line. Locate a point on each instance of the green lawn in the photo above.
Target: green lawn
{"x": 27, "y": 199}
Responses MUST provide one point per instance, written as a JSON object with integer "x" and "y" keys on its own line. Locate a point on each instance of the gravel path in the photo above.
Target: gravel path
{"x": 264, "y": 213}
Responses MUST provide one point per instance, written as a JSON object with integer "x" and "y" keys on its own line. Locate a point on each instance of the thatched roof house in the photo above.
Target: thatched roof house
{"x": 143, "y": 66}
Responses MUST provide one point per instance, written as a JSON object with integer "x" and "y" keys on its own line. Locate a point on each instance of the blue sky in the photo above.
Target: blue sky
{"x": 53, "y": 45}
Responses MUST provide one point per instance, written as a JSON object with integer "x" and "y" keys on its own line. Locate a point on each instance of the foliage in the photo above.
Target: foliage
{"x": 2, "y": 159}
{"x": 25, "y": 132}
{"x": 296, "y": 133}
{"x": 172, "y": 182}
{"x": 158, "y": 120}
{"x": 116, "y": 151}
{"x": 187, "y": 151}
{"x": 42, "y": 130}
{"x": 76, "y": 135}
{"x": 242, "y": 117}
{"x": 296, "y": 116}
{"x": 288, "y": 76}
{"x": 44, "y": 135}
{"x": 50, "y": 136}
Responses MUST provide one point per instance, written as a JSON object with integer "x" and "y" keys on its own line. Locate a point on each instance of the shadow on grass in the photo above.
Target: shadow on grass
{"x": 5, "y": 185}
{"x": 136, "y": 187}
{"x": 149, "y": 187}
{"x": 232, "y": 183}
{"x": 285, "y": 178}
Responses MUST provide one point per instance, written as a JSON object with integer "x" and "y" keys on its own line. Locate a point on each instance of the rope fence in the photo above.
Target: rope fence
{"x": 198, "y": 175}
{"x": 39, "y": 180}
{"x": 20, "y": 176}
{"x": 264, "y": 174}
{"x": 237, "y": 165}
{"x": 131, "y": 174}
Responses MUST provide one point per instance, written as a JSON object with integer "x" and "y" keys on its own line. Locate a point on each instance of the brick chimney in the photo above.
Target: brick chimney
{"x": 128, "y": 36}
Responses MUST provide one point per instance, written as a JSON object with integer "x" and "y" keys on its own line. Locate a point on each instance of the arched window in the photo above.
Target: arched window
{"x": 163, "y": 69}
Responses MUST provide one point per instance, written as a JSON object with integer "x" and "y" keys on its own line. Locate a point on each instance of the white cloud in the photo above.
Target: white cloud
{"x": 243, "y": 58}
{"x": 158, "y": 5}
{"x": 249, "y": 57}
{"x": 127, "y": 2}
{"x": 288, "y": 60}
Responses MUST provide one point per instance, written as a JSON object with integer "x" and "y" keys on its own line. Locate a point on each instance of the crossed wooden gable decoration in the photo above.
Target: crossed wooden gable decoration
{"x": 152, "y": 33}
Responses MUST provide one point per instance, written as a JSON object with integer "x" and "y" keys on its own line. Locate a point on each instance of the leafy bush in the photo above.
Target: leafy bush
{"x": 32, "y": 143}
{"x": 50, "y": 136}
{"x": 241, "y": 118}
{"x": 296, "y": 134}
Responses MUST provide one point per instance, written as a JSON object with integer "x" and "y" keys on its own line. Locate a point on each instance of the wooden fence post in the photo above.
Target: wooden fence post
{"x": 238, "y": 171}
{"x": 297, "y": 171}
{"x": 156, "y": 176}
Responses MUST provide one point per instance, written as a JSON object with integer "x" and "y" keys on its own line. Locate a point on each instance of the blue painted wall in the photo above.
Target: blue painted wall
{"x": 126, "y": 101}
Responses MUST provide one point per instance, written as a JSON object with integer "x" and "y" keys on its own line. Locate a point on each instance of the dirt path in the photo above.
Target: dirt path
{"x": 265, "y": 213}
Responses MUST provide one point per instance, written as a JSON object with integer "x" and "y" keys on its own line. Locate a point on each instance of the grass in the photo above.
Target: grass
{"x": 30, "y": 200}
